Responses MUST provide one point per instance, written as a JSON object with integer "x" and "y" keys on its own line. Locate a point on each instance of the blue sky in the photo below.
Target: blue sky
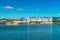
{"x": 25, "y": 8}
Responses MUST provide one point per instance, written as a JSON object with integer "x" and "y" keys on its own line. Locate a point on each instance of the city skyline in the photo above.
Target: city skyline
{"x": 25, "y": 8}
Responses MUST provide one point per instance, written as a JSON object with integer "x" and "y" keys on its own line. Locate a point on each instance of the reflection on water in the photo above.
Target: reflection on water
{"x": 58, "y": 24}
{"x": 29, "y": 32}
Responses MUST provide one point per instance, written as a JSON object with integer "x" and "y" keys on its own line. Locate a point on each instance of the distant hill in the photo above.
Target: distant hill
{"x": 56, "y": 18}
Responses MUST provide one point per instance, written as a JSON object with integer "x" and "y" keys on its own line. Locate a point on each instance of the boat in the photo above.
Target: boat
{"x": 46, "y": 22}
{"x": 11, "y": 23}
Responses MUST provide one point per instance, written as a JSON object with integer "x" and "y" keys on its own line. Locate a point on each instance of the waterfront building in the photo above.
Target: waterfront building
{"x": 24, "y": 21}
{"x": 39, "y": 20}
{"x": 17, "y": 21}
{"x": 3, "y": 21}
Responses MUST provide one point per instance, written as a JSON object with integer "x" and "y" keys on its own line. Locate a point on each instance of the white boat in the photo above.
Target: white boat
{"x": 46, "y": 23}
{"x": 11, "y": 23}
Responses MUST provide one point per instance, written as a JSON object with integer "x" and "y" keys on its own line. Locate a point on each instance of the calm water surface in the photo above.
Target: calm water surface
{"x": 30, "y": 32}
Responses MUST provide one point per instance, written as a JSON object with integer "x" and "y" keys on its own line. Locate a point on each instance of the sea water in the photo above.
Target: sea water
{"x": 30, "y": 32}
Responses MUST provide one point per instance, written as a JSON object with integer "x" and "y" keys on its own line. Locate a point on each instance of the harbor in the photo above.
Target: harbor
{"x": 28, "y": 20}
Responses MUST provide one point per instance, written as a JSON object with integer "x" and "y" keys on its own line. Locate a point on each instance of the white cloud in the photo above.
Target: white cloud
{"x": 7, "y": 7}
{"x": 19, "y": 9}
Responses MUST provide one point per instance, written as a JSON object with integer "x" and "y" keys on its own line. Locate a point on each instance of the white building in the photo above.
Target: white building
{"x": 39, "y": 19}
